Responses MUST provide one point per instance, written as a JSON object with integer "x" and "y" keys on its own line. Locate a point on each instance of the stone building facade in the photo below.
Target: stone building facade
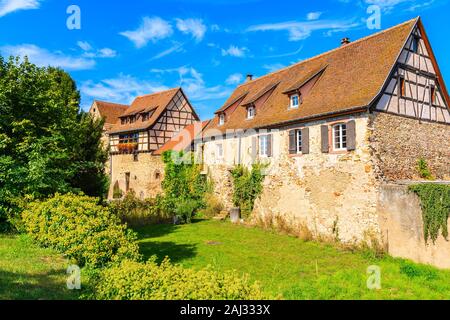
{"x": 333, "y": 130}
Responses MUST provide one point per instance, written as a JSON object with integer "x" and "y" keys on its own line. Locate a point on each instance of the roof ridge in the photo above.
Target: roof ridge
{"x": 155, "y": 93}
{"x": 331, "y": 51}
{"x": 118, "y": 104}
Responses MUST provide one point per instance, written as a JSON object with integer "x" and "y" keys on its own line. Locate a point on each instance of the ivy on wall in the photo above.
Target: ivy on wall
{"x": 435, "y": 202}
{"x": 247, "y": 187}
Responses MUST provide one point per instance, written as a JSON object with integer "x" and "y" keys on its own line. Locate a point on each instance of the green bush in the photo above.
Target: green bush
{"x": 247, "y": 187}
{"x": 213, "y": 206}
{"x": 183, "y": 183}
{"x": 136, "y": 212}
{"x": 424, "y": 170}
{"x": 412, "y": 270}
{"x": 82, "y": 230}
{"x": 186, "y": 209}
{"x": 148, "y": 281}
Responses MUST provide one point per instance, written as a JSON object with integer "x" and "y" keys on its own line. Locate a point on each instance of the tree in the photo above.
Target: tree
{"x": 47, "y": 144}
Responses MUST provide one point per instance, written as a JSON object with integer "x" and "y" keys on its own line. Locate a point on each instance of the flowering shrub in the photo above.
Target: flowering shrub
{"x": 148, "y": 281}
{"x": 78, "y": 227}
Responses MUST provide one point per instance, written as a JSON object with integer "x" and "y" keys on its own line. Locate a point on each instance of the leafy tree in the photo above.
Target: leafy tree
{"x": 46, "y": 144}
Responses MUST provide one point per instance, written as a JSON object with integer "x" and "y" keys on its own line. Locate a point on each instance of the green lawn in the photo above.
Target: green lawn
{"x": 289, "y": 266}
{"x": 29, "y": 272}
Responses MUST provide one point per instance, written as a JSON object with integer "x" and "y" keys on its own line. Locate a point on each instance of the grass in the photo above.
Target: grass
{"x": 28, "y": 272}
{"x": 289, "y": 266}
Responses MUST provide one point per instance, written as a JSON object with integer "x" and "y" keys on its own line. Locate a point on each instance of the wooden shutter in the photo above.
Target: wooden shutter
{"x": 292, "y": 142}
{"x": 305, "y": 140}
{"x": 325, "y": 142}
{"x": 269, "y": 145}
{"x": 254, "y": 148}
{"x": 351, "y": 135}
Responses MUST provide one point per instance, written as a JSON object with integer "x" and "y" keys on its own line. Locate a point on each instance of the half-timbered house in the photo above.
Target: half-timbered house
{"x": 333, "y": 129}
{"x": 145, "y": 127}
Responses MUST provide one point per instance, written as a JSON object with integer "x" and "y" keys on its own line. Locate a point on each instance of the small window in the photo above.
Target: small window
{"x": 135, "y": 157}
{"x": 221, "y": 119}
{"x": 402, "y": 86}
{"x": 415, "y": 44}
{"x": 157, "y": 175}
{"x": 264, "y": 146}
{"x": 295, "y": 101}
{"x": 298, "y": 135}
{"x": 250, "y": 112}
{"x": 219, "y": 150}
{"x": 123, "y": 121}
{"x": 145, "y": 116}
{"x": 433, "y": 94}
{"x": 340, "y": 137}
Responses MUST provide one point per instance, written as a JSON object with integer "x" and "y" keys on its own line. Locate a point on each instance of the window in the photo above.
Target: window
{"x": 264, "y": 146}
{"x": 221, "y": 119}
{"x": 402, "y": 85}
{"x": 295, "y": 101}
{"x": 129, "y": 138}
{"x": 298, "y": 135}
{"x": 433, "y": 94}
{"x": 219, "y": 150}
{"x": 145, "y": 116}
{"x": 135, "y": 157}
{"x": 157, "y": 175}
{"x": 415, "y": 44}
{"x": 250, "y": 112}
{"x": 340, "y": 137}
{"x": 123, "y": 121}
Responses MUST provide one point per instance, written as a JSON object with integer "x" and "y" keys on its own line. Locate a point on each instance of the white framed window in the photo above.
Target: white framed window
{"x": 264, "y": 146}
{"x": 340, "y": 137}
{"x": 295, "y": 101}
{"x": 219, "y": 150}
{"x": 250, "y": 112}
{"x": 299, "y": 141}
{"x": 221, "y": 119}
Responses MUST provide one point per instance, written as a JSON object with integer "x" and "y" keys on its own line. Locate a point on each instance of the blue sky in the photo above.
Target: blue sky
{"x": 130, "y": 48}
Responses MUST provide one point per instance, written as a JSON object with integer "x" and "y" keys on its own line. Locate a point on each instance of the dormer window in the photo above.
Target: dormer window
{"x": 221, "y": 119}
{"x": 123, "y": 120}
{"x": 295, "y": 101}
{"x": 250, "y": 112}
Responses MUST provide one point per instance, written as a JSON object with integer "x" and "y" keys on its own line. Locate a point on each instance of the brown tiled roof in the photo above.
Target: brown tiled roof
{"x": 157, "y": 101}
{"x": 110, "y": 111}
{"x": 353, "y": 77}
{"x": 183, "y": 139}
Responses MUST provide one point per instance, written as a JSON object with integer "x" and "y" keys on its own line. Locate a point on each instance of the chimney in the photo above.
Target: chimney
{"x": 249, "y": 78}
{"x": 345, "y": 41}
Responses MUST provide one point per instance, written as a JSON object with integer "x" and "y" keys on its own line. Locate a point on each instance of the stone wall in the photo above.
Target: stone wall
{"x": 333, "y": 195}
{"x": 400, "y": 217}
{"x": 146, "y": 174}
{"x": 399, "y": 142}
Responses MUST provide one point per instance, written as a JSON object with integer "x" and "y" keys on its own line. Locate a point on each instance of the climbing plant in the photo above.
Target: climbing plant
{"x": 435, "y": 202}
{"x": 424, "y": 170}
{"x": 247, "y": 187}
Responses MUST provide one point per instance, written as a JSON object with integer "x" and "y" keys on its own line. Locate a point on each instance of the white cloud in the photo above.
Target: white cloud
{"x": 177, "y": 47}
{"x": 313, "y": 15}
{"x": 194, "y": 27}
{"x": 43, "y": 57}
{"x": 91, "y": 53}
{"x": 235, "y": 51}
{"x": 84, "y": 45}
{"x": 194, "y": 85}
{"x": 234, "y": 79}
{"x": 122, "y": 89}
{"x": 151, "y": 29}
{"x": 9, "y": 6}
{"x": 301, "y": 30}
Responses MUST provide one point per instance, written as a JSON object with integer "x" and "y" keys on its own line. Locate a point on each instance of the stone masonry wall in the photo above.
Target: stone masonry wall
{"x": 332, "y": 195}
{"x": 144, "y": 174}
{"x": 399, "y": 142}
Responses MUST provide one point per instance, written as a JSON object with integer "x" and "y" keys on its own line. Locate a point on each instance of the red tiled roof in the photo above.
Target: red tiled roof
{"x": 352, "y": 77}
{"x": 184, "y": 138}
{"x": 110, "y": 111}
{"x": 157, "y": 101}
